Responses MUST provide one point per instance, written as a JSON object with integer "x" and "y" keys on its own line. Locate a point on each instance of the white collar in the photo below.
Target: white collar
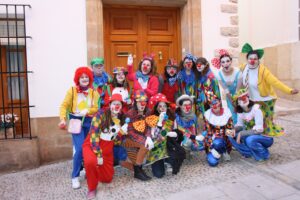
{"x": 218, "y": 120}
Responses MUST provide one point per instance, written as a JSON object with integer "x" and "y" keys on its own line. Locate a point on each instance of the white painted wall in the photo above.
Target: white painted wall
{"x": 265, "y": 23}
{"x": 212, "y": 21}
{"x": 57, "y": 48}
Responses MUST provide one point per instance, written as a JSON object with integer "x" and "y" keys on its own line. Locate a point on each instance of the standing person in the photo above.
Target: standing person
{"x": 101, "y": 78}
{"x": 102, "y": 145}
{"x": 206, "y": 83}
{"x": 170, "y": 87}
{"x": 120, "y": 86}
{"x": 186, "y": 76}
{"x": 138, "y": 141}
{"x": 145, "y": 77}
{"x": 249, "y": 129}
{"x": 80, "y": 103}
{"x": 260, "y": 82}
{"x": 229, "y": 77}
{"x": 217, "y": 122}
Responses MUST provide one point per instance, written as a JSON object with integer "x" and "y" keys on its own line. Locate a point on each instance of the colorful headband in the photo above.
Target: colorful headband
{"x": 140, "y": 95}
{"x": 119, "y": 69}
{"x": 148, "y": 57}
{"x": 216, "y": 62}
{"x": 240, "y": 93}
{"x": 247, "y": 48}
{"x": 190, "y": 57}
{"x": 172, "y": 63}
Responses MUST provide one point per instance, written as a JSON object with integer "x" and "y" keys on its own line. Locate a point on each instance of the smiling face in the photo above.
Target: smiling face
{"x": 162, "y": 107}
{"x": 216, "y": 106}
{"x": 146, "y": 67}
{"x": 186, "y": 106}
{"x": 200, "y": 67}
{"x": 188, "y": 64}
{"x": 226, "y": 64}
{"x": 253, "y": 61}
{"x": 243, "y": 101}
{"x": 171, "y": 71}
{"x": 84, "y": 80}
{"x": 120, "y": 76}
{"x": 115, "y": 107}
{"x": 141, "y": 105}
{"x": 98, "y": 69}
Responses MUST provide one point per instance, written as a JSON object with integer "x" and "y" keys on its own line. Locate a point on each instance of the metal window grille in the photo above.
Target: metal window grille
{"x": 14, "y": 100}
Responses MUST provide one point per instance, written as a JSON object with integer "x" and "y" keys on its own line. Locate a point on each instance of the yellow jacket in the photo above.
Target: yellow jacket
{"x": 266, "y": 82}
{"x": 67, "y": 103}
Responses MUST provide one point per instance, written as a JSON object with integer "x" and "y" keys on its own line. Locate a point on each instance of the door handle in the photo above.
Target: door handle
{"x": 160, "y": 55}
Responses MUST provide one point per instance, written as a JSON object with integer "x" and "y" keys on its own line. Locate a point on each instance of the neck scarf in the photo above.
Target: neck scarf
{"x": 187, "y": 120}
{"x": 144, "y": 77}
{"x": 188, "y": 79}
{"x": 101, "y": 80}
{"x": 172, "y": 80}
{"x": 83, "y": 90}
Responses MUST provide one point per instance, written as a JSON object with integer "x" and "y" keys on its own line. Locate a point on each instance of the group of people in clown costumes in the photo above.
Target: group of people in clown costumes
{"x": 155, "y": 124}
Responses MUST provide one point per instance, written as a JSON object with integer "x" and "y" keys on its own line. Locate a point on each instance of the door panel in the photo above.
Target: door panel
{"x": 138, "y": 30}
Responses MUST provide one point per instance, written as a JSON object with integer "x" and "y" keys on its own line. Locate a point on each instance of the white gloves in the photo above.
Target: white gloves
{"x": 215, "y": 154}
{"x": 130, "y": 59}
{"x": 200, "y": 138}
{"x": 172, "y": 134}
{"x": 124, "y": 129}
{"x": 149, "y": 143}
{"x": 83, "y": 112}
{"x": 230, "y": 132}
{"x": 107, "y": 136}
{"x": 100, "y": 161}
{"x": 161, "y": 118}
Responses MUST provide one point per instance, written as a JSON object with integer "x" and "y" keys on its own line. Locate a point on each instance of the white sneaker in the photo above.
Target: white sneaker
{"x": 226, "y": 156}
{"x": 75, "y": 183}
{"x": 168, "y": 167}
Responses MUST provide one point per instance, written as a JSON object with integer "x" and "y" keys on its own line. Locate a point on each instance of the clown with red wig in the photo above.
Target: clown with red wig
{"x": 80, "y": 104}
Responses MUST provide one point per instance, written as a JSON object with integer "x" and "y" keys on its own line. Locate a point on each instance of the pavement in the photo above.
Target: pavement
{"x": 241, "y": 178}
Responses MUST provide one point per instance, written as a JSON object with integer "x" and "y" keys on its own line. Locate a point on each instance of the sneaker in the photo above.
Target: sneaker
{"x": 226, "y": 156}
{"x": 75, "y": 183}
{"x": 168, "y": 168}
{"x": 83, "y": 173}
{"x": 91, "y": 194}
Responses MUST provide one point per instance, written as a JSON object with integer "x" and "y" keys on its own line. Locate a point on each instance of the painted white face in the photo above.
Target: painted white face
{"x": 98, "y": 69}
{"x": 186, "y": 107}
{"x": 200, "y": 67}
{"x": 171, "y": 71}
{"x": 84, "y": 80}
{"x": 243, "y": 101}
{"x": 141, "y": 105}
{"x": 120, "y": 76}
{"x": 146, "y": 67}
{"x": 216, "y": 107}
{"x": 115, "y": 107}
{"x": 162, "y": 107}
{"x": 188, "y": 64}
{"x": 253, "y": 61}
{"x": 226, "y": 64}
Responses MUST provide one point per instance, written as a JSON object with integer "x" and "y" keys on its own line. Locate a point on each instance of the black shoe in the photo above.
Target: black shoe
{"x": 140, "y": 174}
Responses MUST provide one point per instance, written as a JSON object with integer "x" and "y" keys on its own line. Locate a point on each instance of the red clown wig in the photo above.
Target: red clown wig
{"x": 83, "y": 70}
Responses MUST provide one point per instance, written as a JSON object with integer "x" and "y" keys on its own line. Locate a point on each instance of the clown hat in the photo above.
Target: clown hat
{"x": 119, "y": 69}
{"x": 240, "y": 93}
{"x": 116, "y": 97}
{"x": 172, "y": 63}
{"x": 159, "y": 97}
{"x": 83, "y": 70}
{"x": 97, "y": 61}
{"x": 140, "y": 95}
{"x": 184, "y": 97}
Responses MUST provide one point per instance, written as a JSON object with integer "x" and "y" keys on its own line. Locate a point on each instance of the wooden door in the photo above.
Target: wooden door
{"x": 137, "y": 30}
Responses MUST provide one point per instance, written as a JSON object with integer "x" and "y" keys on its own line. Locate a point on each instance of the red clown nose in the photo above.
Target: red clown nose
{"x": 188, "y": 107}
{"x": 252, "y": 62}
{"x": 172, "y": 72}
{"x": 117, "y": 107}
{"x": 145, "y": 67}
{"x": 143, "y": 103}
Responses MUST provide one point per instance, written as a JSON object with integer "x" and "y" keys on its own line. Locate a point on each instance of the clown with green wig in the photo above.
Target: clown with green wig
{"x": 260, "y": 83}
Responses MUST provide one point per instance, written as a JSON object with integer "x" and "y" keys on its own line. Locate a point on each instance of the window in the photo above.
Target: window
{"x": 14, "y": 101}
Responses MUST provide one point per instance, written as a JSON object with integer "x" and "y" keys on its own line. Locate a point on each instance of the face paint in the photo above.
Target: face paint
{"x": 200, "y": 67}
{"x": 188, "y": 63}
{"x": 171, "y": 71}
{"x": 98, "y": 69}
{"x": 115, "y": 107}
{"x": 253, "y": 61}
{"x": 161, "y": 107}
{"x": 84, "y": 80}
{"x": 226, "y": 64}
{"x": 243, "y": 101}
{"x": 120, "y": 76}
{"x": 186, "y": 107}
{"x": 146, "y": 67}
{"x": 141, "y": 105}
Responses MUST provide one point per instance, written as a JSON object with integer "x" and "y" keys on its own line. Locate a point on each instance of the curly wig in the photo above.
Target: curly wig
{"x": 83, "y": 70}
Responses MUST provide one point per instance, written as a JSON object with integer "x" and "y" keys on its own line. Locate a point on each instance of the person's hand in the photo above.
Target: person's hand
{"x": 294, "y": 91}
{"x": 130, "y": 59}
{"x": 124, "y": 129}
{"x": 172, "y": 134}
{"x": 200, "y": 138}
{"x": 62, "y": 124}
{"x": 100, "y": 161}
{"x": 161, "y": 118}
{"x": 149, "y": 143}
{"x": 230, "y": 132}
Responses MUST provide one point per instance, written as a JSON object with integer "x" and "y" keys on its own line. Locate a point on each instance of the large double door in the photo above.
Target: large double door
{"x": 135, "y": 30}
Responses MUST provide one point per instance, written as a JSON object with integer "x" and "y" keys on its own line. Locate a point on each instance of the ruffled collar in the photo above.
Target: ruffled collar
{"x": 188, "y": 79}
{"x": 186, "y": 123}
{"x": 216, "y": 120}
{"x": 101, "y": 80}
{"x": 172, "y": 80}
{"x": 144, "y": 77}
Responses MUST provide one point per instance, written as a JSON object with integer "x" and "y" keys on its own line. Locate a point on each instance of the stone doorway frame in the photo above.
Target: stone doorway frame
{"x": 190, "y": 19}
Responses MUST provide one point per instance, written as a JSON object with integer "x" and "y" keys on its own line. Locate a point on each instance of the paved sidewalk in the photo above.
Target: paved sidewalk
{"x": 241, "y": 178}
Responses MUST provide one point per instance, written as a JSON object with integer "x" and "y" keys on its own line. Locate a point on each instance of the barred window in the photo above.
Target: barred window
{"x": 14, "y": 101}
